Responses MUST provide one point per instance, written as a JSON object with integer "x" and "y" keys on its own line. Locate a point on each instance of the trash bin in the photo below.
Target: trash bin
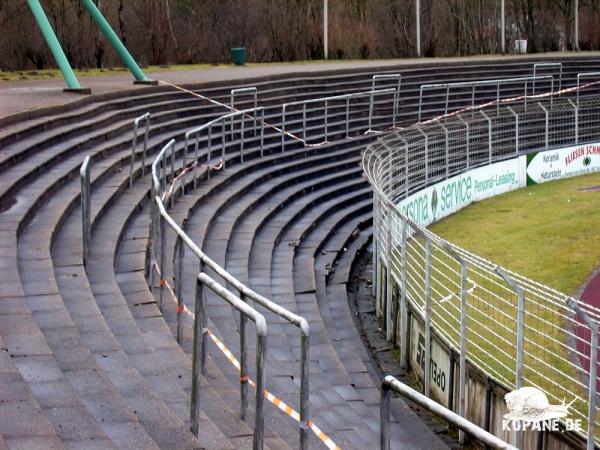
{"x": 521, "y": 46}
{"x": 238, "y": 55}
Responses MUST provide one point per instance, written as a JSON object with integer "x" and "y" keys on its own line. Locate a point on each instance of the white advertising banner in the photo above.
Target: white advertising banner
{"x": 448, "y": 196}
{"x": 563, "y": 163}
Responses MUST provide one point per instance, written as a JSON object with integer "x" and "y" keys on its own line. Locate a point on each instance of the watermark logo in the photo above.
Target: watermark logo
{"x": 529, "y": 409}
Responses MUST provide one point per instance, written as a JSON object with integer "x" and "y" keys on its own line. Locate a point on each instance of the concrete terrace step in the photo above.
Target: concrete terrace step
{"x": 93, "y": 361}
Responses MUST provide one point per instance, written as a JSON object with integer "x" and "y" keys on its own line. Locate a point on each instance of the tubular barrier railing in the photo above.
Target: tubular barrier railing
{"x": 243, "y": 91}
{"x": 86, "y": 208}
{"x": 200, "y": 354}
{"x": 160, "y": 219}
{"x": 136, "y": 123}
{"x": 327, "y": 101}
{"x": 499, "y": 82}
{"x": 520, "y": 332}
{"x": 390, "y": 384}
{"x": 547, "y": 65}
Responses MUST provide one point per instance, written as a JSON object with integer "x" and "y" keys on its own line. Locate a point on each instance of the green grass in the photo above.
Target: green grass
{"x": 547, "y": 232}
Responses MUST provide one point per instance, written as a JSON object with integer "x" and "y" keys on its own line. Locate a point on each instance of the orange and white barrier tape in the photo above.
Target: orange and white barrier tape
{"x": 291, "y": 412}
{"x": 276, "y": 128}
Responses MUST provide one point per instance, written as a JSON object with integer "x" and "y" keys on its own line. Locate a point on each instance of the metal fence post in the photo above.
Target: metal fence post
{"x": 179, "y": 286}
{"x": 489, "y": 134}
{"x": 576, "y": 120}
{"x": 388, "y": 275}
{"x": 593, "y": 326}
{"x": 516, "y": 128}
{"x": 243, "y": 365}
{"x": 375, "y": 231}
{"x": 462, "y": 366}
{"x": 427, "y": 374}
{"x": 546, "y": 123}
{"x": 86, "y": 209}
{"x": 520, "y": 334}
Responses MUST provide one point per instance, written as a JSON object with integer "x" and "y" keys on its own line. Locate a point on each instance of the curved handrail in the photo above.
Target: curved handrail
{"x": 160, "y": 217}
{"x": 390, "y": 165}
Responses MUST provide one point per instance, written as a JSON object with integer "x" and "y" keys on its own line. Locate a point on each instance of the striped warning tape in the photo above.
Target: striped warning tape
{"x": 510, "y": 100}
{"x": 327, "y": 441}
{"x": 279, "y": 130}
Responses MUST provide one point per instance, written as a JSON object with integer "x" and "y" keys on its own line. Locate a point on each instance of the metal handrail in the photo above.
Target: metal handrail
{"x": 247, "y": 90}
{"x": 548, "y": 64}
{"x": 390, "y": 384}
{"x": 347, "y": 97}
{"x": 579, "y": 77}
{"x": 136, "y": 123}
{"x": 221, "y": 120}
{"x": 200, "y": 354}
{"x": 379, "y": 162}
{"x": 244, "y": 291}
{"x": 498, "y": 82}
{"x": 86, "y": 209}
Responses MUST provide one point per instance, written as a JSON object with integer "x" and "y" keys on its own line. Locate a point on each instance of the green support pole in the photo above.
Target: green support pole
{"x": 56, "y": 49}
{"x": 116, "y": 43}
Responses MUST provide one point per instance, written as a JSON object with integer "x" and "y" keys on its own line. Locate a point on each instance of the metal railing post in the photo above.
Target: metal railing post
{"x": 259, "y": 419}
{"x": 420, "y": 102}
{"x": 427, "y": 375}
{"x": 326, "y": 121}
{"x": 404, "y": 353}
{"x": 304, "y": 389}
{"x": 145, "y": 149}
{"x": 179, "y": 286}
{"x": 384, "y": 420}
{"x": 520, "y": 334}
{"x": 304, "y": 121}
{"x": 243, "y": 365}
{"x": 390, "y": 383}
{"x": 136, "y": 124}
{"x": 593, "y": 326}
{"x": 223, "y": 146}
{"x": 467, "y": 138}
{"x": 198, "y": 355}
{"x": 86, "y": 209}
{"x": 375, "y": 244}
{"x": 163, "y": 256}
{"x": 243, "y": 121}
{"x": 196, "y": 157}
{"x": 388, "y": 275}
{"x": 283, "y": 127}
{"x": 133, "y": 149}
{"x": 347, "y": 117}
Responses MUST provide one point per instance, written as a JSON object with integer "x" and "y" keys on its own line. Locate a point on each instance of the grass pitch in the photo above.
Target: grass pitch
{"x": 549, "y": 232}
